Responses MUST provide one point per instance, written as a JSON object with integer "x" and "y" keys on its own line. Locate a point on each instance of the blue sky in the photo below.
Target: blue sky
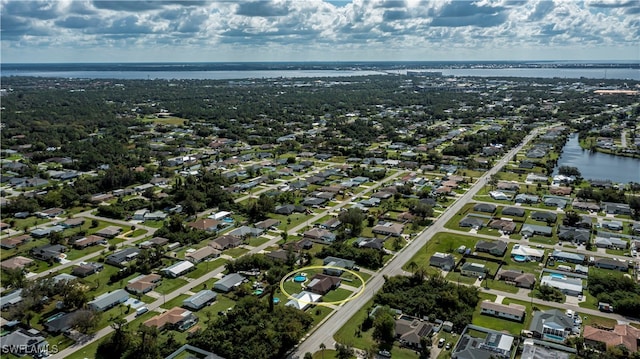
{"x": 318, "y": 30}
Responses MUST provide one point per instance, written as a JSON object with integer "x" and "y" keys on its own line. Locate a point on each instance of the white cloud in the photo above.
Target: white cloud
{"x": 317, "y": 30}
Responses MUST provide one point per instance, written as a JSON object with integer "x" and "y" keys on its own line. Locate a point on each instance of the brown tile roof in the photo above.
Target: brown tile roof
{"x": 16, "y": 262}
{"x": 622, "y": 334}
{"x": 173, "y": 316}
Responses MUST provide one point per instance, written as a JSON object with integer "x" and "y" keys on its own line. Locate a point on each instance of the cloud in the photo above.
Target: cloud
{"x": 262, "y": 8}
{"x": 376, "y": 28}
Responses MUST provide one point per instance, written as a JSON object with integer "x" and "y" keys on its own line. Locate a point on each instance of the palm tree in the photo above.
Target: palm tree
{"x": 412, "y": 266}
{"x": 322, "y": 348}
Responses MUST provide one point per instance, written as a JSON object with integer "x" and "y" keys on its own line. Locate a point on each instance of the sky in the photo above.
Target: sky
{"x": 72, "y": 31}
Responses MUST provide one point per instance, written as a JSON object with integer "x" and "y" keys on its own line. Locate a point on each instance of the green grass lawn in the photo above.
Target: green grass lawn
{"x": 236, "y": 252}
{"x": 206, "y": 267}
{"x": 499, "y": 324}
{"x": 336, "y": 295}
{"x": 318, "y": 313}
{"x": 74, "y": 254}
{"x": 169, "y": 285}
{"x": 441, "y": 242}
{"x": 257, "y": 241}
{"x": 348, "y": 334}
{"x": 136, "y": 233}
{"x": 175, "y": 302}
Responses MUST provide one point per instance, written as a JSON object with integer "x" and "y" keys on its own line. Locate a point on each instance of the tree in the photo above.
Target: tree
{"x": 571, "y": 218}
{"x": 343, "y": 351}
{"x": 352, "y": 219}
{"x": 322, "y": 348}
{"x": 85, "y": 320}
{"x": 384, "y": 326}
{"x": 73, "y": 296}
{"x": 14, "y": 277}
{"x": 569, "y": 171}
{"x": 308, "y": 355}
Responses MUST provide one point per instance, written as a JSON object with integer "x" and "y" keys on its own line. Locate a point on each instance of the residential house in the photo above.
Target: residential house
{"x": 611, "y": 243}
{"x": 108, "y": 300}
{"x": 109, "y": 232}
{"x": 499, "y": 196}
{"x": 177, "y": 269}
{"x": 572, "y": 234}
{"x": 154, "y": 242}
{"x": 87, "y": 269}
{"x": 283, "y": 255}
{"x": 388, "y": 229}
{"x": 122, "y": 257}
{"x": 528, "y": 253}
{"x": 409, "y": 331}
{"x": 532, "y": 177}
{"x": 48, "y": 252}
{"x": 143, "y": 284}
{"x": 174, "y": 318}
{"x": 322, "y": 283}
{"x": 336, "y": 263}
{"x": 206, "y": 224}
{"x": 331, "y": 224}
{"x": 551, "y": 201}
{"x": 561, "y": 256}
{"x": 470, "y": 221}
{"x": 10, "y": 299}
{"x": 155, "y": 216}
{"x": 17, "y": 262}
{"x": 567, "y": 285}
{"x": 616, "y": 208}
{"x": 228, "y": 282}
{"x": 560, "y": 191}
{"x": 23, "y": 342}
{"x": 585, "y": 206}
{"x": 548, "y": 217}
{"x": 225, "y": 242}
{"x": 529, "y": 230}
{"x": 73, "y": 222}
{"x": 366, "y": 242}
{"x": 485, "y": 207}
{"x": 513, "y": 211}
{"x": 471, "y": 269}
{"x": 612, "y": 225}
{"x": 320, "y": 234}
{"x": 303, "y": 300}
{"x": 492, "y": 344}
{"x": 506, "y": 227}
{"x": 443, "y": 261}
{"x": 202, "y": 254}
{"x": 13, "y": 242}
{"x": 267, "y": 224}
{"x": 517, "y": 278}
{"x": 512, "y": 311}
{"x": 496, "y": 248}
{"x": 526, "y": 198}
{"x": 88, "y": 241}
{"x": 611, "y": 263}
{"x": 551, "y": 325}
{"x": 245, "y": 232}
{"x": 508, "y": 186}
{"x": 303, "y": 244}
{"x": 61, "y": 324}
{"x": 288, "y": 209}
{"x": 622, "y": 335}
{"x": 200, "y": 299}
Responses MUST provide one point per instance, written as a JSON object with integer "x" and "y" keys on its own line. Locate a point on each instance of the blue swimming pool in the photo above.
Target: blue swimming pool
{"x": 558, "y": 275}
{"x": 299, "y": 278}
{"x": 519, "y": 258}
{"x": 554, "y": 337}
{"x": 228, "y": 220}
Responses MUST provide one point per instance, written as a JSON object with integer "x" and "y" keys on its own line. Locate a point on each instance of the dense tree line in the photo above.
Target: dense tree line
{"x": 433, "y": 296}
{"x": 620, "y": 291}
{"x": 250, "y": 331}
{"x": 366, "y": 257}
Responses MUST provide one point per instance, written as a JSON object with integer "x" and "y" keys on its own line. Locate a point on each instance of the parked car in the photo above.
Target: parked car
{"x": 385, "y": 353}
{"x": 441, "y": 342}
{"x": 448, "y": 346}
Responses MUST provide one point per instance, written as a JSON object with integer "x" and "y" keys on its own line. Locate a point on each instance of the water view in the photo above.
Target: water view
{"x": 597, "y": 165}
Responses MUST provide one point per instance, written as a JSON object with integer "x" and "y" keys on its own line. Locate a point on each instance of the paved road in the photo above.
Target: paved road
{"x": 325, "y": 332}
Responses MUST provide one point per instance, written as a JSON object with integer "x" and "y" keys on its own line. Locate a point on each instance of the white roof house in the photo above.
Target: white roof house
{"x": 303, "y": 299}
{"x": 568, "y": 286}
{"x": 522, "y": 250}
{"x": 219, "y": 215}
{"x": 178, "y": 269}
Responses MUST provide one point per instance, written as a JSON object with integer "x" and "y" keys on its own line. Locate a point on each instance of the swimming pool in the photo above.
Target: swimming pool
{"x": 299, "y": 278}
{"x": 554, "y": 337}
{"x": 558, "y": 275}
{"x": 228, "y": 220}
{"x": 519, "y": 258}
